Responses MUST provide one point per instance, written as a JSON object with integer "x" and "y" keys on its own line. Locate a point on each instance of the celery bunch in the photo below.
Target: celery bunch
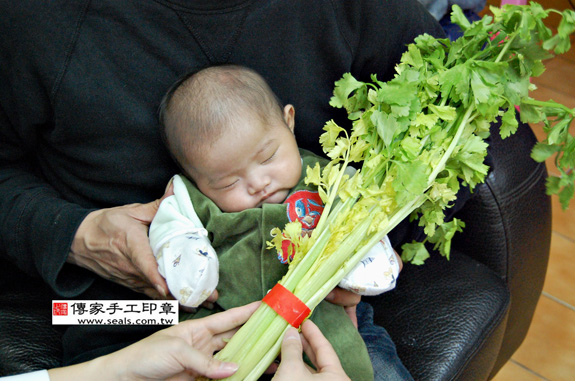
{"x": 417, "y": 138}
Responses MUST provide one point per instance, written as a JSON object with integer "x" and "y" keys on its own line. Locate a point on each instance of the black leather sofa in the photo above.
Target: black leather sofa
{"x": 459, "y": 319}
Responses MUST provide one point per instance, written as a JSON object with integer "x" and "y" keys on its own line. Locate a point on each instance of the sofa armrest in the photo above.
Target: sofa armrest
{"x": 28, "y": 341}
{"x": 509, "y": 229}
{"x": 446, "y": 318}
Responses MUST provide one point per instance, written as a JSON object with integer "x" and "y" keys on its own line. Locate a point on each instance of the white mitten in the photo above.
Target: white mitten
{"x": 376, "y": 273}
{"x": 185, "y": 256}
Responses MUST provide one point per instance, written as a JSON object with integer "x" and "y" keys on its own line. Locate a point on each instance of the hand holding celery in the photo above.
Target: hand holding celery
{"x": 417, "y": 138}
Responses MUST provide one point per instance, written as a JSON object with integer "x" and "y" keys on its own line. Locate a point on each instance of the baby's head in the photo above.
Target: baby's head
{"x": 230, "y": 135}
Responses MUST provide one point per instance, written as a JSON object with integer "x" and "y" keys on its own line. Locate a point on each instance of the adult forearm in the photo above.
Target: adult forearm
{"x": 37, "y": 227}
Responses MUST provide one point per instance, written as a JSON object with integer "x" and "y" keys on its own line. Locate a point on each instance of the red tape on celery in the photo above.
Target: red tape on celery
{"x": 287, "y": 305}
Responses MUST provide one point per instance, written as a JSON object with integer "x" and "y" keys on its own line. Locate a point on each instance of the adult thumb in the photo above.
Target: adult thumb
{"x": 206, "y": 365}
{"x": 146, "y": 212}
{"x": 292, "y": 348}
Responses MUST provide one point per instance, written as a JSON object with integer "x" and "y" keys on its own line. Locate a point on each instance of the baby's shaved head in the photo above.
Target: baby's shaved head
{"x": 200, "y": 107}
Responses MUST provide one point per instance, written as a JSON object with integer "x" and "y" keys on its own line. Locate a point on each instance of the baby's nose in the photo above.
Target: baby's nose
{"x": 258, "y": 184}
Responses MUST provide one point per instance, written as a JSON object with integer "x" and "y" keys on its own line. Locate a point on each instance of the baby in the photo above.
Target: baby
{"x": 243, "y": 175}
{"x": 227, "y": 130}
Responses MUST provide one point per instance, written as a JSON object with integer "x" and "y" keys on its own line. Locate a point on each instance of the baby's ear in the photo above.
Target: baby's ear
{"x": 289, "y": 116}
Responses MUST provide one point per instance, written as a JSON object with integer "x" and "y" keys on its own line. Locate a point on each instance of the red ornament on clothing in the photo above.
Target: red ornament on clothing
{"x": 306, "y": 207}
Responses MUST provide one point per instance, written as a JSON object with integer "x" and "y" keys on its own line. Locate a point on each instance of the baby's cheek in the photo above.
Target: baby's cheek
{"x": 296, "y": 173}
{"x": 237, "y": 202}
{"x": 291, "y": 172}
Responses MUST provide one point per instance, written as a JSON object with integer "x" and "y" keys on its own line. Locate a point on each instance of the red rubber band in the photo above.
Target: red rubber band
{"x": 287, "y": 305}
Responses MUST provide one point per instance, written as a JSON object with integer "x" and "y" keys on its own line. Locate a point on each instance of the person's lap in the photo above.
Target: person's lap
{"x": 382, "y": 352}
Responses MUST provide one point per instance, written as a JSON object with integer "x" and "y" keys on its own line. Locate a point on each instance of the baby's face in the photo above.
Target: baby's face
{"x": 253, "y": 165}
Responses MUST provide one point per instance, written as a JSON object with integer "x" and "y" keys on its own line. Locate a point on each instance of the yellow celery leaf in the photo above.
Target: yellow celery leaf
{"x": 328, "y": 138}
{"x": 323, "y": 194}
{"x": 444, "y": 112}
{"x": 289, "y": 251}
{"x": 339, "y": 150}
{"x": 387, "y": 195}
{"x": 374, "y": 160}
{"x": 388, "y": 204}
{"x": 432, "y": 158}
{"x": 380, "y": 222}
{"x": 302, "y": 247}
{"x": 331, "y": 246}
{"x": 306, "y": 243}
{"x": 427, "y": 120}
{"x": 358, "y": 150}
{"x": 293, "y": 229}
{"x": 345, "y": 223}
{"x": 313, "y": 175}
{"x": 276, "y": 241}
{"x": 372, "y": 191}
{"x": 360, "y": 211}
{"x": 411, "y": 147}
{"x": 340, "y": 223}
{"x": 352, "y": 187}
{"x": 368, "y": 199}
{"x": 442, "y": 192}
{"x": 326, "y": 172}
{"x": 292, "y": 243}
{"x": 386, "y": 201}
{"x": 340, "y": 228}
{"x": 331, "y": 173}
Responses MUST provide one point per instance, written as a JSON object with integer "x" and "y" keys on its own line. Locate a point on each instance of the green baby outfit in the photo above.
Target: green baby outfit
{"x": 248, "y": 270}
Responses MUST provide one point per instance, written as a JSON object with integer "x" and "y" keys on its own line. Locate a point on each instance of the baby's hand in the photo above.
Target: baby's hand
{"x": 347, "y": 299}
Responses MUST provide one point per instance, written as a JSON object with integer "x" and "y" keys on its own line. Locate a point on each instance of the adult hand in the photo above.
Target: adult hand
{"x": 184, "y": 352}
{"x": 319, "y": 351}
{"x": 347, "y": 299}
{"x": 113, "y": 243}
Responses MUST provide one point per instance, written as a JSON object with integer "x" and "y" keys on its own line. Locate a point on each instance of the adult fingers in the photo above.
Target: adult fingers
{"x": 230, "y": 319}
{"x": 169, "y": 189}
{"x": 204, "y": 364}
{"x": 159, "y": 358}
{"x": 291, "y": 363}
{"x": 138, "y": 246}
{"x": 220, "y": 340}
{"x": 210, "y": 333}
{"x": 143, "y": 259}
{"x": 319, "y": 350}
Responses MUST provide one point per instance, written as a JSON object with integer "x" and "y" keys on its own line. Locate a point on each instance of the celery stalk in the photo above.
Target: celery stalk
{"x": 418, "y": 136}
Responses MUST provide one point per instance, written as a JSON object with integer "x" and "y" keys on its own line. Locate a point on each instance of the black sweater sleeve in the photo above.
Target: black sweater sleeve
{"x": 36, "y": 223}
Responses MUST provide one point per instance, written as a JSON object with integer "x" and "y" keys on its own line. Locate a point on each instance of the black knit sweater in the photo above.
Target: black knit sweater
{"x": 81, "y": 81}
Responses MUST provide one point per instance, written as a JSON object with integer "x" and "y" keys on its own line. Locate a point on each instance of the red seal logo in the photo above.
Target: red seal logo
{"x": 60, "y": 309}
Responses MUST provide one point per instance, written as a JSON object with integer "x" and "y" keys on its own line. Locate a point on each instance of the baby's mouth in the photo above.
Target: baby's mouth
{"x": 267, "y": 195}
